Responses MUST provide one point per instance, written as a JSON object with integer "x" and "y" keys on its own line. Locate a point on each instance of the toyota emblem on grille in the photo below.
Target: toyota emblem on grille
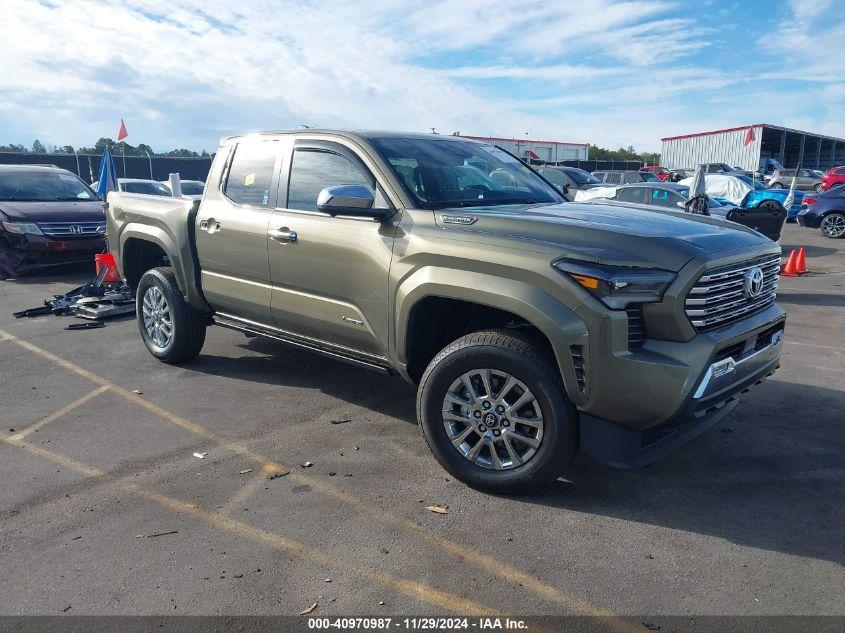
{"x": 753, "y": 284}
{"x": 76, "y": 229}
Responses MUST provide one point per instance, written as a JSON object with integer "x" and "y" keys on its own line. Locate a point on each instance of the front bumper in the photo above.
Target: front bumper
{"x": 735, "y": 364}
{"x": 21, "y": 254}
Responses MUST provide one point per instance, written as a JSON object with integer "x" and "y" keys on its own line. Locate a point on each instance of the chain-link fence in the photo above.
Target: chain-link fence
{"x": 87, "y": 166}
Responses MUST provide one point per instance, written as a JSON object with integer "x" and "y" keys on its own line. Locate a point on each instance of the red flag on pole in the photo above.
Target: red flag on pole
{"x": 122, "y": 133}
{"x": 749, "y": 138}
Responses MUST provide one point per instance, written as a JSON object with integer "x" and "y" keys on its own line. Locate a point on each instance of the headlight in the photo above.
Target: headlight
{"x": 617, "y": 286}
{"x": 22, "y": 228}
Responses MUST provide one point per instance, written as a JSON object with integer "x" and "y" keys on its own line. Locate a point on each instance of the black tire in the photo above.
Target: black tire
{"x": 818, "y": 188}
{"x": 521, "y": 357}
{"x": 776, "y": 185}
{"x": 832, "y": 226}
{"x": 187, "y": 324}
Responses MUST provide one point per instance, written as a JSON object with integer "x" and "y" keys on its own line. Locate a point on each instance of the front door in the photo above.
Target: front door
{"x": 330, "y": 274}
{"x": 231, "y": 232}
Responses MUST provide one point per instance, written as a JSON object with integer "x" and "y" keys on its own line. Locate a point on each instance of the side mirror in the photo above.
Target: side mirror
{"x": 348, "y": 200}
{"x": 683, "y": 205}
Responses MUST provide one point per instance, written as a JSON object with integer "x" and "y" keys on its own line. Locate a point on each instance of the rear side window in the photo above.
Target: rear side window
{"x": 632, "y": 194}
{"x": 314, "y": 170}
{"x": 633, "y": 178}
{"x": 251, "y": 174}
{"x": 839, "y": 171}
{"x": 614, "y": 178}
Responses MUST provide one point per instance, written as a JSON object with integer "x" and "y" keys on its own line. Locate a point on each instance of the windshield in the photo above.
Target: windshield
{"x": 582, "y": 177}
{"x": 649, "y": 177}
{"x": 725, "y": 167}
{"x": 148, "y": 188}
{"x": 43, "y": 186}
{"x": 192, "y": 188}
{"x": 438, "y": 174}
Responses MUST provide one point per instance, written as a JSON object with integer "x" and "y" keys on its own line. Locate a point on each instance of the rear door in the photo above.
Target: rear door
{"x": 330, "y": 281}
{"x": 231, "y": 231}
{"x": 767, "y": 217}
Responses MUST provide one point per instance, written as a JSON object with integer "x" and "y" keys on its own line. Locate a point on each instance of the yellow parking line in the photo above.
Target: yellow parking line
{"x": 234, "y": 447}
{"x": 55, "y": 416}
{"x": 483, "y": 561}
{"x": 246, "y": 491}
{"x": 455, "y": 604}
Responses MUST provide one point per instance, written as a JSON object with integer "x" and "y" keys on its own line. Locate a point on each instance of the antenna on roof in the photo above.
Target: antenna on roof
{"x": 307, "y": 127}
{"x": 433, "y": 130}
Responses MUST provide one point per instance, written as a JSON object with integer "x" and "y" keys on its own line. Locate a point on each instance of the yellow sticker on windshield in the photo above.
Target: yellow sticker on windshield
{"x": 249, "y": 179}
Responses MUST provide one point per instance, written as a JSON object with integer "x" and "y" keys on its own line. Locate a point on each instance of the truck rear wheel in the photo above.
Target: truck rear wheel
{"x": 495, "y": 415}
{"x": 173, "y": 331}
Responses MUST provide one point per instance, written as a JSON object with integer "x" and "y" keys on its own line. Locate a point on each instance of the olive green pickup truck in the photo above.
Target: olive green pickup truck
{"x": 534, "y": 327}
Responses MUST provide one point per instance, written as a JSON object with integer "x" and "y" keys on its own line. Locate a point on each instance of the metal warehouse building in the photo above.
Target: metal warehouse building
{"x": 747, "y": 147}
{"x": 546, "y": 151}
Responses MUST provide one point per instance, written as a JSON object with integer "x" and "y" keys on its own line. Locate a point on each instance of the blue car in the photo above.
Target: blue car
{"x": 825, "y": 211}
{"x": 761, "y": 193}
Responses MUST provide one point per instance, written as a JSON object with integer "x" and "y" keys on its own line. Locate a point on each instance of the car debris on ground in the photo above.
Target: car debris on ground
{"x": 95, "y": 300}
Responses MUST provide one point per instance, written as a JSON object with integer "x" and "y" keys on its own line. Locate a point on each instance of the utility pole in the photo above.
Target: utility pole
{"x": 150, "y": 158}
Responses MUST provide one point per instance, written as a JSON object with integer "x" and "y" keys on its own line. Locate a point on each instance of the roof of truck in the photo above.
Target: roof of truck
{"x": 354, "y": 133}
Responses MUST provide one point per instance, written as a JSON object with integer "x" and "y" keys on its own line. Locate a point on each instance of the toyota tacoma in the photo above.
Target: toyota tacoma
{"x": 533, "y": 327}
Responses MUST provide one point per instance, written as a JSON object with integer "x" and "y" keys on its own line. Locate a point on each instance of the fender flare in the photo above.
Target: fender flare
{"x": 556, "y": 321}
{"x": 184, "y": 271}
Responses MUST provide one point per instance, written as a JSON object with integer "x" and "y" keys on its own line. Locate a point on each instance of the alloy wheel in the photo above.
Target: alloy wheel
{"x": 493, "y": 419}
{"x": 157, "y": 319}
{"x": 834, "y": 226}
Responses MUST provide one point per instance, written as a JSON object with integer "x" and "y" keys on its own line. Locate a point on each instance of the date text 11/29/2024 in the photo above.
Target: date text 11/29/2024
{"x": 422, "y": 624}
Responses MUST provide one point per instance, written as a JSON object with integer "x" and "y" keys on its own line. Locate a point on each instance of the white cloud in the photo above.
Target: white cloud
{"x": 185, "y": 72}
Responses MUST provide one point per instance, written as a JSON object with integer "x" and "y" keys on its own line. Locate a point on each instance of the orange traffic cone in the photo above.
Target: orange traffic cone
{"x": 789, "y": 268}
{"x": 801, "y": 263}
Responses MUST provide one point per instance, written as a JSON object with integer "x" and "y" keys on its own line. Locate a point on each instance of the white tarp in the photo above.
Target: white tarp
{"x": 729, "y": 188}
{"x": 583, "y": 195}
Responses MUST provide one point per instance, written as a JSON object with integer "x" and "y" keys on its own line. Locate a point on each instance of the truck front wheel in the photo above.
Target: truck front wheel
{"x": 173, "y": 331}
{"x": 495, "y": 415}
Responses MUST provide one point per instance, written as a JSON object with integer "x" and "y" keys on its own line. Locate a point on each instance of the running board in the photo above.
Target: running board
{"x": 251, "y": 327}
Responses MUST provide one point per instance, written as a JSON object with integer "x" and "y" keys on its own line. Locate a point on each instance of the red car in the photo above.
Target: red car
{"x": 660, "y": 172}
{"x": 835, "y": 177}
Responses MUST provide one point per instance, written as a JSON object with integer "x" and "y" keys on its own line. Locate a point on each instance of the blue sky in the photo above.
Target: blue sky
{"x": 183, "y": 73}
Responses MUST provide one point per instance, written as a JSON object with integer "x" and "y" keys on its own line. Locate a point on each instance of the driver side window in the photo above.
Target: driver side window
{"x": 312, "y": 170}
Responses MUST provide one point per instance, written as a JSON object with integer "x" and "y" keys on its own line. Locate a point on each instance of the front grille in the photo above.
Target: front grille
{"x": 718, "y": 297}
{"x": 636, "y": 328}
{"x": 580, "y": 366}
{"x": 73, "y": 229}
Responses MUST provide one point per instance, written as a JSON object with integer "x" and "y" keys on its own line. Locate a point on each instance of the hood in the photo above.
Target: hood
{"x": 60, "y": 211}
{"x": 612, "y": 233}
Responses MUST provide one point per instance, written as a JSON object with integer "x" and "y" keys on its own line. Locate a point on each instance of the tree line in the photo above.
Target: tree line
{"x": 117, "y": 148}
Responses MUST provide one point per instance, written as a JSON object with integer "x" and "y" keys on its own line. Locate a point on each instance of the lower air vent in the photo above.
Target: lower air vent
{"x": 580, "y": 365}
{"x": 636, "y": 328}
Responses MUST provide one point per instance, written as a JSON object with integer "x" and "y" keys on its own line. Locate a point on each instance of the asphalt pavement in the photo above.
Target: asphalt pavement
{"x": 314, "y": 482}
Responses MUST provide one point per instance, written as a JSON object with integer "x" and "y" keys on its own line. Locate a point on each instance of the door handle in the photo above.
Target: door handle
{"x": 210, "y": 225}
{"x": 284, "y": 235}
